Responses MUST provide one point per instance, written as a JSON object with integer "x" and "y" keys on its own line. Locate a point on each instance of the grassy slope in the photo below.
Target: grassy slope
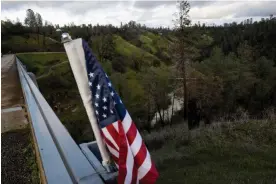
{"x": 152, "y": 42}
{"x": 235, "y": 153}
{"x": 147, "y": 44}
{"x": 128, "y": 50}
{"x": 39, "y": 63}
{"x": 30, "y": 43}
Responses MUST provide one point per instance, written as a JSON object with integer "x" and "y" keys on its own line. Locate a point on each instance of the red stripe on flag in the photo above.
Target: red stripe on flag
{"x": 140, "y": 156}
{"x": 134, "y": 174}
{"x": 151, "y": 176}
{"x": 114, "y": 134}
{"x": 131, "y": 134}
{"x": 122, "y": 154}
{"x": 107, "y": 141}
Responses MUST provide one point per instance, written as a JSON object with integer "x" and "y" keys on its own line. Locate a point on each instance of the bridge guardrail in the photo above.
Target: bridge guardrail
{"x": 62, "y": 159}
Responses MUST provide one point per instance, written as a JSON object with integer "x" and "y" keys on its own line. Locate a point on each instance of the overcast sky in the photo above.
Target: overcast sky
{"x": 151, "y": 13}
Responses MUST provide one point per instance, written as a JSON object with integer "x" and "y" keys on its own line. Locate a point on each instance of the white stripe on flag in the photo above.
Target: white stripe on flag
{"x": 136, "y": 144}
{"x": 109, "y": 137}
{"x": 129, "y": 165}
{"x": 116, "y": 126}
{"x": 113, "y": 151}
{"x": 145, "y": 167}
{"x": 127, "y": 122}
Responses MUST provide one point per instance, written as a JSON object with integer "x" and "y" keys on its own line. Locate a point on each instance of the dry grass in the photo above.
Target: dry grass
{"x": 226, "y": 152}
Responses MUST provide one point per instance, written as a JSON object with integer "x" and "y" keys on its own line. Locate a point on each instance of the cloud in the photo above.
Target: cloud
{"x": 258, "y": 8}
{"x": 152, "y": 4}
{"x": 151, "y": 13}
{"x": 234, "y": 9}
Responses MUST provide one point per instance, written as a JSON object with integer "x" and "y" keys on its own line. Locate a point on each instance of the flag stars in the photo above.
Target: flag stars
{"x": 121, "y": 101}
{"x": 112, "y": 93}
{"x": 104, "y": 107}
{"x": 109, "y": 84}
{"x": 104, "y": 115}
{"x": 96, "y": 105}
{"x": 96, "y": 112}
{"x": 98, "y": 87}
{"x": 97, "y": 96}
{"x": 90, "y": 83}
{"x": 104, "y": 99}
{"x": 91, "y": 74}
{"x": 111, "y": 111}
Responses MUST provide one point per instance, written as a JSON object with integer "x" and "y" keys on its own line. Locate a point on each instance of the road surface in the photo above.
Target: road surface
{"x": 12, "y": 114}
{"x": 11, "y": 93}
{"x": 17, "y": 157}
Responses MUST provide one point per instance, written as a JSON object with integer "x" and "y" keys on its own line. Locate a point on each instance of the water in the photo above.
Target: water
{"x": 168, "y": 112}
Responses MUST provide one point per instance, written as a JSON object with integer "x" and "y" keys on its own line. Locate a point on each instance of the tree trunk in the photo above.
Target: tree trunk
{"x": 184, "y": 84}
{"x": 185, "y": 96}
{"x": 183, "y": 67}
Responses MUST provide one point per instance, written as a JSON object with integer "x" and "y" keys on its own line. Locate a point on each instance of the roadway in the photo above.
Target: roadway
{"x": 16, "y": 149}
{"x": 12, "y": 114}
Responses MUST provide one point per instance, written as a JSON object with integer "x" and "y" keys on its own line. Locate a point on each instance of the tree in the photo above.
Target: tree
{"x": 30, "y": 19}
{"x": 156, "y": 85}
{"x": 39, "y": 24}
{"x": 39, "y": 21}
{"x": 182, "y": 52}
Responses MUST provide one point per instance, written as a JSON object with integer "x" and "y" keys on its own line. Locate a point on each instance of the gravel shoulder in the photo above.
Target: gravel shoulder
{"x": 17, "y": 158}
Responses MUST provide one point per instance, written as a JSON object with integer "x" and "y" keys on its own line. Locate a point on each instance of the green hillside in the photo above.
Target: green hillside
{"x": 53, "y": 72}
{"x": 156, "y": 44}
{"x": 38, "y": 63}
{"x": 30, "y": 43}
{"x": 130, "y": 51}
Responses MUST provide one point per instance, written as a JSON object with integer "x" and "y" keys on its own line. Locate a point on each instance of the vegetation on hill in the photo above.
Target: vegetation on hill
{"x": 30, "y": 43}
{"x": 227, "y": 152}
{"x": 224, "y": 73}
{"x": 230, "y": 68}
{"x": 40, "y": 63}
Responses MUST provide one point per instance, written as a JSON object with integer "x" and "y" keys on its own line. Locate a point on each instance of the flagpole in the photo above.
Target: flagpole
{"x": 77, "y": 63}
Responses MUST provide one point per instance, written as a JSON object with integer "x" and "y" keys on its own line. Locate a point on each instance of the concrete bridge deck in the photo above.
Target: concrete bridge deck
{"x": 11, "y": 96}
{"x": 17, "y": 152}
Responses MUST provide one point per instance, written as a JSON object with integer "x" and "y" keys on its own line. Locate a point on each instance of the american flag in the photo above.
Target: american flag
{"x": 120, "y": 134}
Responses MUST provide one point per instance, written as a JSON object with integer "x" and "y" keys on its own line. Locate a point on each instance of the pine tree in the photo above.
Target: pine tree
{"x": 30, "y": 19}
{"x": 39, "y": 24}
{"x": 181, "y": 49}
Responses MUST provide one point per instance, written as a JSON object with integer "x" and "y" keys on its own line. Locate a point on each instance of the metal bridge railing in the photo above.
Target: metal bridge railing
{"x": 61, "y": 158}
